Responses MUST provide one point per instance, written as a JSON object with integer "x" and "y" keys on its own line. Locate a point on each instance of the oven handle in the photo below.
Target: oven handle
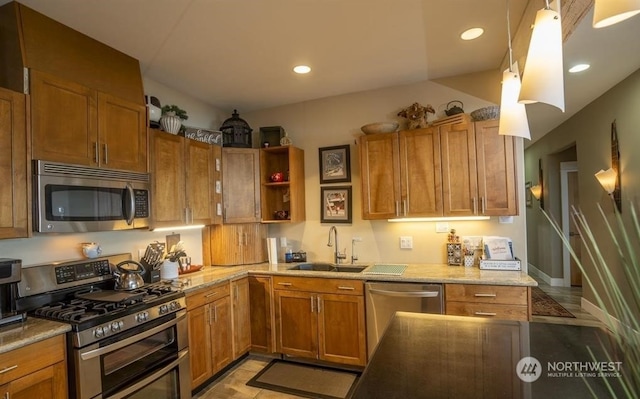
{"x": 141, "y": 384}
{"x": 128, "y": 341}
{"x": 406, "y": 294}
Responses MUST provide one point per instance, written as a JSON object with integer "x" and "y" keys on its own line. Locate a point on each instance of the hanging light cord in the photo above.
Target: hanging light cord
{"x": 509, "y": 36}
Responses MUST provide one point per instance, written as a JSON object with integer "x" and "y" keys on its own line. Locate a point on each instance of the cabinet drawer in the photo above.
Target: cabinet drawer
{"x": 323, "y": 285}
{"x": 207, "y": 295}
{"x": 478, "y": 293}
{"x": 505, "y": 312}
{"x": 28, "y": 359}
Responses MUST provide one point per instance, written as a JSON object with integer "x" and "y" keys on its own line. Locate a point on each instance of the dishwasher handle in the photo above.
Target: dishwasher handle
{"x": 406, "y": 294}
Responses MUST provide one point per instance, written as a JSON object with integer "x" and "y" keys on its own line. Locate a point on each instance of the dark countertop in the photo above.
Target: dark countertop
{"x": 435, "y": 356}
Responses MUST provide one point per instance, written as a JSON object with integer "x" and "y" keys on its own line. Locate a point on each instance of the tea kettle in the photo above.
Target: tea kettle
{"x": 454, "y": 109}
{"x": 127, "y": 278}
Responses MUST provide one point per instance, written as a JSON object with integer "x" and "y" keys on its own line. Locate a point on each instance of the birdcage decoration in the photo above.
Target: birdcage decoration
{"x": 236, "y": 132}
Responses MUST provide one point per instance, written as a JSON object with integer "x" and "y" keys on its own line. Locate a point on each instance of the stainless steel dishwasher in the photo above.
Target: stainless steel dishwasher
{"x": 384, "y": 299}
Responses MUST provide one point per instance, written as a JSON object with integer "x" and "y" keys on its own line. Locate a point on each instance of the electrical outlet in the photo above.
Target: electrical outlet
{"x": 442, "y": 227}
{"x": 406, "y": 242}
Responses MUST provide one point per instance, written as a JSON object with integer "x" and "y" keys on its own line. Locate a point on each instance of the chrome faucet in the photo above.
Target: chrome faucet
{"x": 337, "y": 255}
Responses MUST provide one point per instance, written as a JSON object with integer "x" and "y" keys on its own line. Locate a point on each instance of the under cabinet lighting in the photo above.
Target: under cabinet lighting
{"x": 441, "y": 219}
{"x": 189, "y": 227}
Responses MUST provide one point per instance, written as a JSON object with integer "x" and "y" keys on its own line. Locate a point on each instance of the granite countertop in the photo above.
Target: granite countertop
{"x": 421, "y": 273}
{"x": 16, "y": 335}
{"x": 436, "y": 356}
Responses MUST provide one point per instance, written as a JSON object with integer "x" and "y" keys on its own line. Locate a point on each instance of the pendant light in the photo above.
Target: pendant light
{"x": 543, "y": 79}
{"x": 513, "y": 115}
{"x": 609, "y": 12}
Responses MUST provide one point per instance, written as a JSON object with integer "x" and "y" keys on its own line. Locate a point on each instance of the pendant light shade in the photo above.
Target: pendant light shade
{"x": 607, "y": 179}
{"x": 609, "y": 12}
{"x": 543, "y": 79}
{"x": 513, "y": 115}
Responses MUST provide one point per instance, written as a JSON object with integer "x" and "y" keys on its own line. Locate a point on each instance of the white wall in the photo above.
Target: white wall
{"x": 336, "y": 121}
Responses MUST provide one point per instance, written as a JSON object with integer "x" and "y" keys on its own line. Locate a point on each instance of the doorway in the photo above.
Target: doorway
{"x": 570, "y": 199}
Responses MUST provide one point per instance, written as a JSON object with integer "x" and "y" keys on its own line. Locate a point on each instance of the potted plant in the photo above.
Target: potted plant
{"x": 172, "y": 117}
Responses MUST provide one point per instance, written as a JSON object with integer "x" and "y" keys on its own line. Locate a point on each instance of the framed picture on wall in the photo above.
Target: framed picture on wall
{"x": 335, "y": 204}
{"x": 335, "y": 164}
{"x": 527, "y": 194}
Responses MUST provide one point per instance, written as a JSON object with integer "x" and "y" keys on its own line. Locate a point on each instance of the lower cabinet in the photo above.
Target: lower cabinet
{"x": 241, "y": 315}
{"x": 320, "y": 319}
{"x": 234, "y": 244}
{"x": 35, "y": 371}
{"x": 210, "y": 343}
{"x": 495, "y": 301}
{"x": 261, "y": 298}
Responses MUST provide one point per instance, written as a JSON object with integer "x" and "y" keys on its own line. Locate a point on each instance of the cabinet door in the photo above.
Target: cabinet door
{"x": 216, "y": 199}
{"x": 64, "y": 122}
{"x": 296, "y": 324}
{"x": 122, "y": 134}
{"x": 200, "y": 341}
{"x": 241, "y": 317}
{"x": 168, "y": 202}
{"x": 49, "y": 382}
{"x": 496, "y": 170}
{"x": 199, "y": 182}
{"x": 380, "y": 170}
{"x": 341, "y": 329}
{"x": 420, "y": 172}
{"x": 221, "y": 338}
{"x": 14, "y": 197}
{"x": 254, "y": 238}
{"x": 261, "y": 314}
{"x": 459, "y": 176}
{"x": 241, "y": 185}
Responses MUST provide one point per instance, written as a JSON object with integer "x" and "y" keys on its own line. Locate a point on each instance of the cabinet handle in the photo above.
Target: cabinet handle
{"x": 210, "y": 295}
{"x": 312, "y": 310}
{"x": 285, "y": 284}
{"x": 215, "y": 313}
{"x": 404, "y": 207}
{"x": 475, "y": 206}
{"x": 482, "y": 204}
{"x": 485, "y": 314}
{"x": 319, "y": 304}
{"x": 96, "y": 153}
{"x": 6, "y": 395}
{"x": 485, "y": 295}
{"x": 342, "y": 287}
{"x": 7, "y": 369}
{"x": 106, "y": 154}
{"x": 397, "y": 208}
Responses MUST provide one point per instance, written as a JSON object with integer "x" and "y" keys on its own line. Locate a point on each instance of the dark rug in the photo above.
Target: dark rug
{"x": 544, "y": 305}
{"x": 309, "y": 381}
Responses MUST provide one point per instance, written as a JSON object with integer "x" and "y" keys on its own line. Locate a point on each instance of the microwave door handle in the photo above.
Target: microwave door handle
{"x": 130, "y": 205}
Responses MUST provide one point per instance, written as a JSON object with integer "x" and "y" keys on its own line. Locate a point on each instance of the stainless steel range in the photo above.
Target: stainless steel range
{"x": 130, "y": 344}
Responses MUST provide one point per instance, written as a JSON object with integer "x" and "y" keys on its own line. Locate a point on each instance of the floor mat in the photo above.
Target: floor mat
{"x": 544, "y": 305}
{"x": 306, "y": 380}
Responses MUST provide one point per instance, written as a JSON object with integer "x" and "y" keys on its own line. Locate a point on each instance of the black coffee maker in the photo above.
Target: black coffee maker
{"x": 10, "y": 275}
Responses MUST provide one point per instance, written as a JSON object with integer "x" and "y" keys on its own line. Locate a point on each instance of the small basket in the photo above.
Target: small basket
{"x": 486, "y": 113}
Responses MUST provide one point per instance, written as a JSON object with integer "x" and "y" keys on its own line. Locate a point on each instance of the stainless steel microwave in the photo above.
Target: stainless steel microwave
{"x": 73, "y": 198}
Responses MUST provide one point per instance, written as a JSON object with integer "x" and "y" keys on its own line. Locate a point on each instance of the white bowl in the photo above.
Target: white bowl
{"x": 380, "y": 127}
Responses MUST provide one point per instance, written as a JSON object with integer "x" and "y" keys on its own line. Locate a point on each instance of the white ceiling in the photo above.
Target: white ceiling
{"x": 239, "y": 53}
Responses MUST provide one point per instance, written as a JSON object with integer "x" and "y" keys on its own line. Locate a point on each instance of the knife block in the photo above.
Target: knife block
{"x": 152, "y": 274}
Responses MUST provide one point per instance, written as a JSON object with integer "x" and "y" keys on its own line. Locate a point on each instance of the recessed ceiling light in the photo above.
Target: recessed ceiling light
{"x": 472, "y": 33}
{"x": 301, "y": 69}
{"x": 579, "y": 68}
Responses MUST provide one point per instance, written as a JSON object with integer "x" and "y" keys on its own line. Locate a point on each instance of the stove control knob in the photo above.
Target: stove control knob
{"x": 120, "y": 324}
{"x": 174, "y": 305}
{"x": 115, "y": 326}
{"x": 163, "y": 309}
{"x": 98, "y": 332}
{"x": 142, "y": 317}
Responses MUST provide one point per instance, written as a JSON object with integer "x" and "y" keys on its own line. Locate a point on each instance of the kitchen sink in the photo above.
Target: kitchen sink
{"x": 328, "y": 267}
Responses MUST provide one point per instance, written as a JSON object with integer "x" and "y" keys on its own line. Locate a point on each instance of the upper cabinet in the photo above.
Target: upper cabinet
{"x": 14, "y": 198}
{"x": 95, "y": 129}
{"x": 282, "y": 198}
{"x": 457, "y": 169}
{"x": 87, "y": 99}
{"x": 183, "y": 180}
{"x": 241, "y": 185}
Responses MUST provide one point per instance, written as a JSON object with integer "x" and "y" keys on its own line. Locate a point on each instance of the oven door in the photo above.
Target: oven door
{"x": 150, "y": 361}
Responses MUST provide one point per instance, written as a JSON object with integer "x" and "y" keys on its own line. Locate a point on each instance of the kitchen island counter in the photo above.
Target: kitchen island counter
{"x": 17, "y": 335}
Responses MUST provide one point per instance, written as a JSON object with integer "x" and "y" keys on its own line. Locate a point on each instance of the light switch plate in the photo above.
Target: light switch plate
{"x": 406, "y": 242}
{"x": 442, "y": 227}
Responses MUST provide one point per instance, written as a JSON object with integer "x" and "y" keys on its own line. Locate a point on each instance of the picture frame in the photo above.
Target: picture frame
{"x": 335, "y": 164}
{"x": 527, "y": 194}
{"x": 335, "y": 204}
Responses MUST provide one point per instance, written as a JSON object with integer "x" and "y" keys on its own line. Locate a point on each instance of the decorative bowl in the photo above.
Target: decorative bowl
{"x": 486, "y": 113}
{"x": 380, "y": 127}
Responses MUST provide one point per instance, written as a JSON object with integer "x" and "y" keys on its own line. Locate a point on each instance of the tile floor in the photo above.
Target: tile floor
{"x": 232, "y": 383}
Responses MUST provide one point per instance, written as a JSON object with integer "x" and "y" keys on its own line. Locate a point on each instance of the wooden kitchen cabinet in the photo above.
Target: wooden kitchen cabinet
{"x": 234, "y": 244}
{"x": 262, "y": 314}
{"x": 320, "y": 319}
{"x": 241, "y": 315}
{"x": 494, "y": 301}
{"x": 14, "y": 166}
{"x": 182, "y": 181}
{"x": 287, "y": 195}
{"x": 96, "y": 129}
{"x": 459, "y": 173}
{"x": 40, "y": 370}
{"x": 241, "y": 185}
{"x": 209, "y": 318}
